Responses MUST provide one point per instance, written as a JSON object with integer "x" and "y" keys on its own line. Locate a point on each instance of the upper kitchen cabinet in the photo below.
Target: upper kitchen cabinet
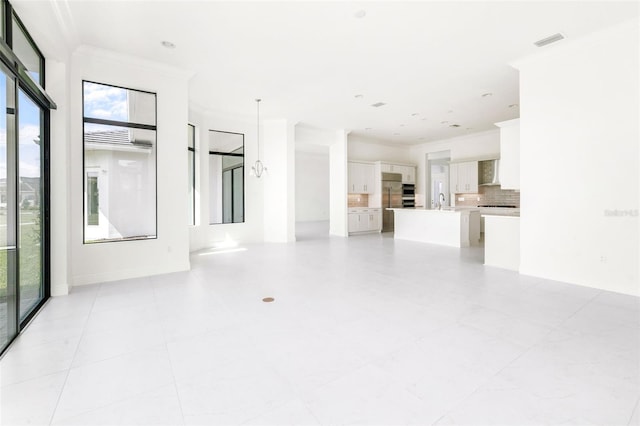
{"x": 463, "y": 177}
{"x": 510, "y": 154}
{"x": 361, "y": 178}
{"x": 408, "y": 172}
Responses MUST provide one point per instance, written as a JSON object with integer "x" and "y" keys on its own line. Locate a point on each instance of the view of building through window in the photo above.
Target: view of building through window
{"x": 119, "y": 163}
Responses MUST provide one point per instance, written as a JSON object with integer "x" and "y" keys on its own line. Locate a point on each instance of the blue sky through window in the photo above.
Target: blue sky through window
{"x": 106, "y": 102}
{"x": 29, "y": 131}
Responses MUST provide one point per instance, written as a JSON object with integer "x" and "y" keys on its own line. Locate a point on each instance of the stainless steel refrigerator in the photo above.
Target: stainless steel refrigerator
{"x": 391, "y": 197}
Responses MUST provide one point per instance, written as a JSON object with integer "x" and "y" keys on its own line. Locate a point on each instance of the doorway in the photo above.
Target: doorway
{"x": 437, "y": 184}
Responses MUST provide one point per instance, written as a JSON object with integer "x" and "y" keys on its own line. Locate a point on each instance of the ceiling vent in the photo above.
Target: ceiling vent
{"x": 378, "y": 104}
{"x": 549, "y": 40}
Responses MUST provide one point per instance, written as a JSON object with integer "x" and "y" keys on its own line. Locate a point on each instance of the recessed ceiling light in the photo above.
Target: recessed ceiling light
{"x": 168, "y": 44}
{"x": 378, "y": 104}
{"x": 486, "y": 95}
{"x": 360, "y": 14}
{"x": 513, "y": 105}
{"x": 414, "y": 114}
{"x": 549, "y": 40}
{"x": 358, "y": 96}
{"x": 443, "y": 122}
{"x": 454, "y": 125}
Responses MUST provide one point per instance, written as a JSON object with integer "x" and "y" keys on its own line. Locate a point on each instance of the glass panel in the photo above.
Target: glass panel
{"x": 8, "y": 302}
{"x": 93, "y": 203}
{"x": 120, "y": 164}
{"x": 192, "y": 136}
{"x": 119, "y": 104}
{"x": 123, "y": 162}
{"x": 227, "y": 196}
{"x": 191, "y": 210}
{"x": 26, "y": 53}
{"x": 30, "y": 203}
{"x": 226, "y": 177}
{"x": 2, "y": 31}
{"x": 238, "y": 198}
{"x": 191, "y": 207}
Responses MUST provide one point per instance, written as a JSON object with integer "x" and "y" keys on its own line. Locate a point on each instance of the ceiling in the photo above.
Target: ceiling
{"x": 325, "y": 63}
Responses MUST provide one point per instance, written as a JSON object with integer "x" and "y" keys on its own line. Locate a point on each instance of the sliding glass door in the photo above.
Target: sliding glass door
{"x": 30, "y": 206}
{"x": 24, "y": 178}
{"x": 8, "y": 234}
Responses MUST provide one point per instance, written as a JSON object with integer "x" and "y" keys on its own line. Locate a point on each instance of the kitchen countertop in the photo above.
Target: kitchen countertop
{"x": 444, "y": 209}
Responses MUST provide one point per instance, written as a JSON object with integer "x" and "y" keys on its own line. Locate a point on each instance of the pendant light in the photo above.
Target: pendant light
{"x": 258, "y": 168}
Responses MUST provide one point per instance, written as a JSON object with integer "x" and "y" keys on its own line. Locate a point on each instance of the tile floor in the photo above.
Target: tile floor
{"x": 365, "y": 330}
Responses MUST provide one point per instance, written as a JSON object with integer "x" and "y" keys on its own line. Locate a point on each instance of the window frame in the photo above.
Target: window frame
{"x": 8, "y": 22}
{"x": 126, "y": 124}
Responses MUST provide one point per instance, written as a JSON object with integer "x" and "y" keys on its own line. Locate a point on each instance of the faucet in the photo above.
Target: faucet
{"x": 441, "y": 200}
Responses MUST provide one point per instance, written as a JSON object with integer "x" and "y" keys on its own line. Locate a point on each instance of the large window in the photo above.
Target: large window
{"x": 119, "y": 163}
{"x": 191, "y": 147}
{"x": 226, "y": 177}
{"x": 24, "y": 178}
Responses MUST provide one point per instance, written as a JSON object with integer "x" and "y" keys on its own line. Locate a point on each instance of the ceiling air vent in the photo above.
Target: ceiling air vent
{"x": 378, "y": 104}
{"x": 549, "y": 40}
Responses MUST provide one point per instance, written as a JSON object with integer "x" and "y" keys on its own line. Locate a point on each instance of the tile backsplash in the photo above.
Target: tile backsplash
{"x": 490, "y": 195}
{"x": 358, "y": 200}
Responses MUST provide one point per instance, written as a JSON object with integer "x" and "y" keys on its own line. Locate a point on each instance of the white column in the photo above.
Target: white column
{"x": 279, "y": 181}
{"x": 338, "y": 185}
{"x": 58, "y": 84}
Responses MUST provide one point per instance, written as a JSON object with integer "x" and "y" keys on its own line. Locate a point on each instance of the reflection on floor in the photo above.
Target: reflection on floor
{"x": 364, "y": 330}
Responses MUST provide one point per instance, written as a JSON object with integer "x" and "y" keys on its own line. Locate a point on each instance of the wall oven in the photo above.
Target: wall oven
{"x": 408, "y": 195}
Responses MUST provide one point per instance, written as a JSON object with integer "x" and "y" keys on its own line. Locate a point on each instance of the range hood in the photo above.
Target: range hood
{"x": 489, "y": 172}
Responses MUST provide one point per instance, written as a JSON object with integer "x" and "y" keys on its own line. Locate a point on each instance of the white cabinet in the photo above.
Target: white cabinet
{"x": 408, "y": 172}
{"x": 453, "y": 178}
{"x": 509, "y": 154}
{"x": 361, "y": 178}
{"x": 463, "y": 177}
{"x": 364, "y": 220}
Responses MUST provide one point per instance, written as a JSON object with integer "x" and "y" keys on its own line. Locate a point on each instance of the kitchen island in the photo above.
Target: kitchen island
{"x": 449, "y": 227}
{"x": 502, "y": 241}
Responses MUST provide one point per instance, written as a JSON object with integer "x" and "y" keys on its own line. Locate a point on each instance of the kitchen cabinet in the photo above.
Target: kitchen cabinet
{"x": 361, "y": 178}
{"x": 408, "y": 172}
{"x": 463, "y": 177}
{"x": 509, "y": 154}
{"x": 364, "y": 220}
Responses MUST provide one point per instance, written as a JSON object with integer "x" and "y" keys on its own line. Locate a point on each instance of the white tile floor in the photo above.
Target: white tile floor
{"x": 363, "y": 331}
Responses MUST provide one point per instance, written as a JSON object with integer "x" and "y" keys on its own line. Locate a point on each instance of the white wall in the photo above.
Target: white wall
{"x": 312, "y": 186}
{"x": 338, "y": 185}
{"x": 364, "y": 149}
{"x": 58, "y": 87}
{"x": 279, "y": 183}
{"x": 204, "y": 235}
{"x": 579, "y": 158}
{"x": 92, "y": 263}
{"x": 481, "y": 145}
